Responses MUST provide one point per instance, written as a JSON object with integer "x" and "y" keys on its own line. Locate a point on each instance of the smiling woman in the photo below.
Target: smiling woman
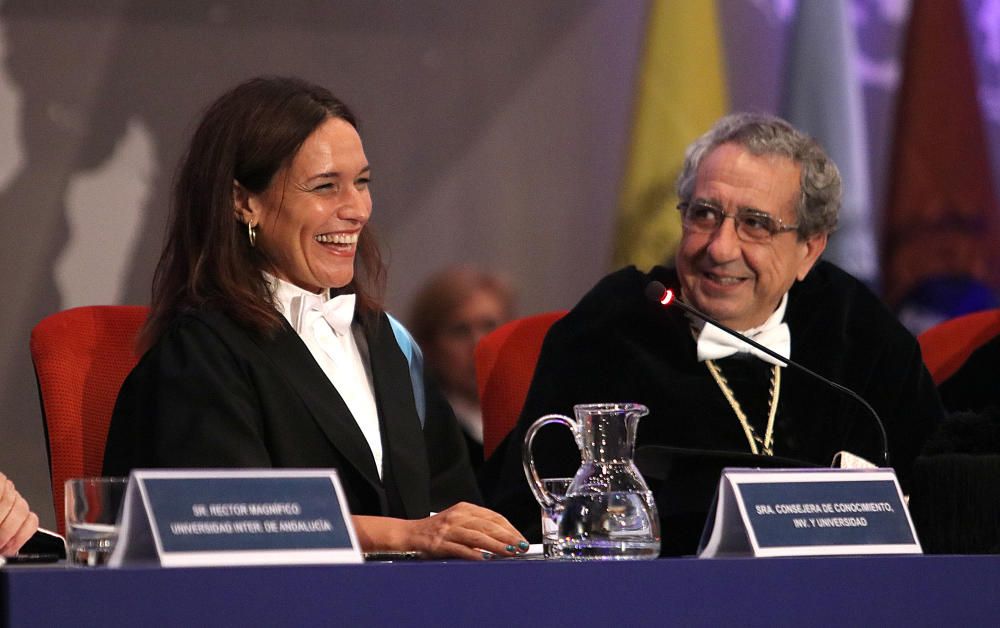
{"x": 311, "y": 215}
{"x": 266, "y": 345}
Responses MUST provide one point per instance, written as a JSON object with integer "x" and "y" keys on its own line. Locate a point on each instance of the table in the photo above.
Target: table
{"x": 841, "y": 591}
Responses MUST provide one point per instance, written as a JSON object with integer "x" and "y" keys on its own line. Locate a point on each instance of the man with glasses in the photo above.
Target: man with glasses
{"x": 758, "y": 201}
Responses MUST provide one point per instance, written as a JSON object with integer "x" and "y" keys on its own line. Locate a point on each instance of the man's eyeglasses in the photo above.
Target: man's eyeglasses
{"x": 751, "y": 225}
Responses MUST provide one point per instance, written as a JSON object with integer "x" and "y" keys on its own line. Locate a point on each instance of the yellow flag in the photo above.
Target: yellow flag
{"x": 680, "y": 93}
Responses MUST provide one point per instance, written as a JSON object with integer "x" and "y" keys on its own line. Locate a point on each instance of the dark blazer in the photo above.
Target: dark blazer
{"x": 210, "y": 394}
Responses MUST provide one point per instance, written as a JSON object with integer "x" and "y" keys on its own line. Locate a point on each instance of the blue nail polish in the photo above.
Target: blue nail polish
{"x": 524, "y": 546}
{"x": 487, "y": 555}
{"x": 510, "y": 548}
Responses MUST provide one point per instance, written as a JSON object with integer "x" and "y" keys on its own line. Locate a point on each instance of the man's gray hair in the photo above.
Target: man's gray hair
{"x": 762, "y": 134}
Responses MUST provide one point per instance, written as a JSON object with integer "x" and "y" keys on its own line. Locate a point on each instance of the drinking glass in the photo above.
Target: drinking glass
{"x": 92, "y": 509}
{"x": 557, "y": 488}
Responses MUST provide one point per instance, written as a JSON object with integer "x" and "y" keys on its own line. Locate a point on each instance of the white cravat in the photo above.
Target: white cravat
{"x": 338, "y": 312}
{"x": 324, "y": 325}
{"x": 714, "y": 344}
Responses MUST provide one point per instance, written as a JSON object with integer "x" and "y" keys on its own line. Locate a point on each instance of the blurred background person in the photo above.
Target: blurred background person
{"x": 267, "y": 345}
{"x": 452, "y": 311}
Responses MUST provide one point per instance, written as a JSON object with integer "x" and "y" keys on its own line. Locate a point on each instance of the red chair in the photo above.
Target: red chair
{"x": 947, "y": 345}
{"x": 505, "y": 364}
{"x": 81, "y": 358}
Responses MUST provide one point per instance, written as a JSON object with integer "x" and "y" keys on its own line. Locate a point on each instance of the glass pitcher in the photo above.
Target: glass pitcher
{"x": 609, "y": 512}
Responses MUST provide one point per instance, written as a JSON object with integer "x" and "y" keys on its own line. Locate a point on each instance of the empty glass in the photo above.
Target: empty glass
{"x": 92, "y": 509}
{"x": 556, "y": 487}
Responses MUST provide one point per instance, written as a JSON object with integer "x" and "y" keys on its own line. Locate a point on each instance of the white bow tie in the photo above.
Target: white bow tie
{"x": 714, "y": 344}
{"x": 338, "y": 312}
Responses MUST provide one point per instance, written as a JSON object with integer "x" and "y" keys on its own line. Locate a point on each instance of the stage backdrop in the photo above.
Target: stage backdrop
{"x": 497, "y": 131}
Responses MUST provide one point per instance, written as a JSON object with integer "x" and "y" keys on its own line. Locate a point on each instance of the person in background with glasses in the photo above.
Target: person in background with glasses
{"x": 758, "y": 202}
{"x": 452, "y": 311}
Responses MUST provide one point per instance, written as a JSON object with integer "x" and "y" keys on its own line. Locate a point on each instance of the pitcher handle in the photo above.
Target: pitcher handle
{"x": 528, "y": 459}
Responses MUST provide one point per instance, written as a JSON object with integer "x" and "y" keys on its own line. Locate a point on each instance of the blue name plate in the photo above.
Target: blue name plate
{"x": 809, "y": 513}
{"x": 236, "y": 517}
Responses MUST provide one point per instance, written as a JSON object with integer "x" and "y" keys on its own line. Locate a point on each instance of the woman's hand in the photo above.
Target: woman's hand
{"x": 17, "y": 522}
{"x": 462, "y": 531}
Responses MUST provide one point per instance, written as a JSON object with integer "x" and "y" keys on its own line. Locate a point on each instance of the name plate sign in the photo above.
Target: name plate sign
{"x": 235, "y": 517}
{"x": 815, "y": 512}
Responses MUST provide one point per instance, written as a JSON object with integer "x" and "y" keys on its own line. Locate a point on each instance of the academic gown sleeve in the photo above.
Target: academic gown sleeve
{"x": 195, "y": 398}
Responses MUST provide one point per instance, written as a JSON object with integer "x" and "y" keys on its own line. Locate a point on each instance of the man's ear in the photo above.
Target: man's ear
{"x": 814, "y": 247}
{"x": 242, "y": 207}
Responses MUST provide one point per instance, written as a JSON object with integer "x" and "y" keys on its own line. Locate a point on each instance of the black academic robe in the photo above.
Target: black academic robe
{"x": 617, "y": 346}
{"x": 976, "y": 385}
{"x": 209, "y": 394}
{"x": 955, "y": 503}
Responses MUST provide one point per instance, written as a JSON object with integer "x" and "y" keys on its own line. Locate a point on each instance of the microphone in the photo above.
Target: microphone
{"x": 656, "y": 291}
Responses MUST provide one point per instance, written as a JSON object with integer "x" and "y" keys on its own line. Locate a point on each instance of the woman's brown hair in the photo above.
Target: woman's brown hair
{"x": 245, "y": 136}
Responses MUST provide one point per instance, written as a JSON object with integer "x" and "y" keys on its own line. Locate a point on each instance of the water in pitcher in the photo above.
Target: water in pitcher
{"x": 615, "y": 525}
{"x": 609, "y": 512}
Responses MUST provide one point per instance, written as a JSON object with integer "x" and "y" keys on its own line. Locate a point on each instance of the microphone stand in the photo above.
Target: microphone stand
{"x": 656, "y": 291}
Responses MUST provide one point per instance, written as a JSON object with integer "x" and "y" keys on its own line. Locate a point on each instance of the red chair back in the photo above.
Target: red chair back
{"x": 505, "y": 364}
{"x": 947, "y": 345}
{"x": 81, "y": 358}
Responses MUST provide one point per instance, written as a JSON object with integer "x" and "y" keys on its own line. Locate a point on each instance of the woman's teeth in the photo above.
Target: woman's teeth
{"x": 337, "y": 238}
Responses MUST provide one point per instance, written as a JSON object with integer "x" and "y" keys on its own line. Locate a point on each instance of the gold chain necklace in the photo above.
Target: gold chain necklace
{"x": 767, "y": 444}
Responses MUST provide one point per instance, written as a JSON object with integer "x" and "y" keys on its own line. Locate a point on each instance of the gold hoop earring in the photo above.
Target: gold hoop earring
{"x": 252, "y": 234}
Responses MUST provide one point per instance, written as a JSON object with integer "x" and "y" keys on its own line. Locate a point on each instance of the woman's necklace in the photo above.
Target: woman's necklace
{"x": 767, "y": 443}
